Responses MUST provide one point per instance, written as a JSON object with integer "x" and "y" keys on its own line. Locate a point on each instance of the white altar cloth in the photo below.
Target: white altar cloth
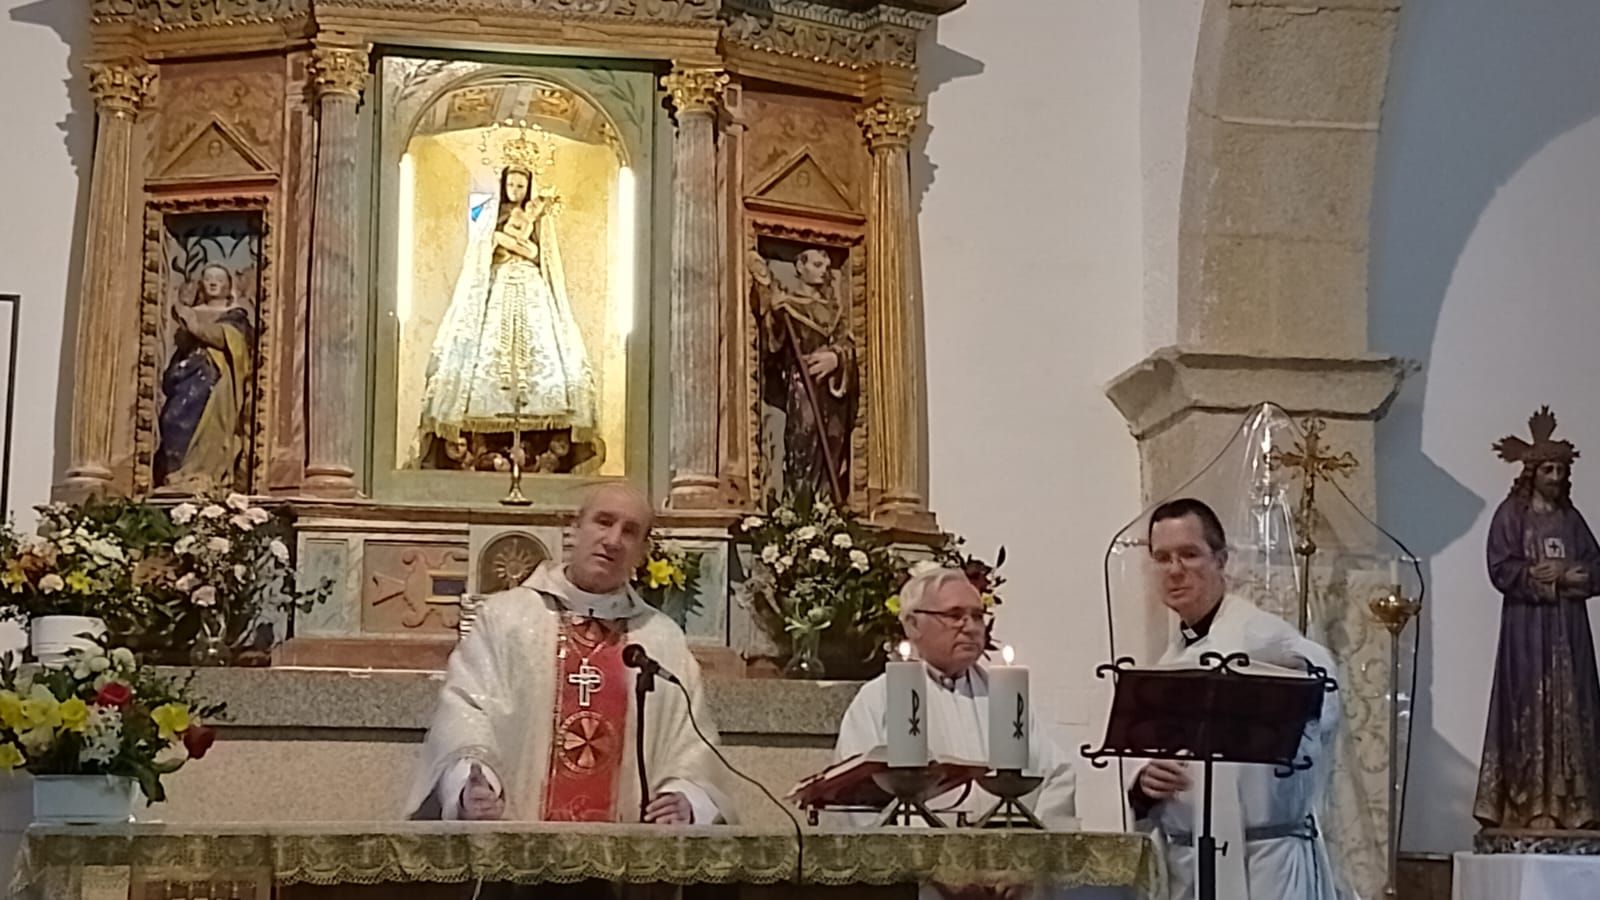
{"x": 1516, "y": 876}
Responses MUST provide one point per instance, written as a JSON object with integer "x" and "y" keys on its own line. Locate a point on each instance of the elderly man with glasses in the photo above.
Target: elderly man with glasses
{"x": 945, "y": 620}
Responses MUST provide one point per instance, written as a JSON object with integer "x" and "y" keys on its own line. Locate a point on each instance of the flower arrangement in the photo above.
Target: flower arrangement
{"x": 81, "y": 561}
{"x": 820, "y": 569}
{"x": 669, "y": 579}
{"x": 226, "y": 564}
{"x": 101, "y": 714}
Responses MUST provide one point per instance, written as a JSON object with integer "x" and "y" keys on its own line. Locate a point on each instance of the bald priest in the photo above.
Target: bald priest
{"x": 536, "y": 721}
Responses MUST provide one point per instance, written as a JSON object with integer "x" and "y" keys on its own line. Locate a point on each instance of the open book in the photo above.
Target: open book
{"x": 849, "y": 781}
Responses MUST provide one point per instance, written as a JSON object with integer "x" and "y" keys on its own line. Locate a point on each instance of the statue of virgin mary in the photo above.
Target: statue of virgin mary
{"x": 508, "y": 355}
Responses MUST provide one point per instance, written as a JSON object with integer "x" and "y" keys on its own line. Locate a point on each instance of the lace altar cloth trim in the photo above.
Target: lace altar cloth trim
{"x": 535, "y": 852}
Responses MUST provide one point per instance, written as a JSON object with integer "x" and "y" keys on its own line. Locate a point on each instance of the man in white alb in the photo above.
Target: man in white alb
{"x": 536, "y": 719}
{"x": 1275, "y": 820}
{"x": 945, "y": 620}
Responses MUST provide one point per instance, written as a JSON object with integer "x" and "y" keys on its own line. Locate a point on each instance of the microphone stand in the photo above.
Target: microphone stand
{"x": 643, "y": 683}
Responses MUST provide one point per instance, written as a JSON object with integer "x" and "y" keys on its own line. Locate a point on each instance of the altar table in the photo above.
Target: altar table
{"x": 257, "y": 861}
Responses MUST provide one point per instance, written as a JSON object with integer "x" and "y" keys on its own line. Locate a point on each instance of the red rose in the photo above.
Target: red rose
{"x": 114, "y": 694}
{"x": 197, "y": 739}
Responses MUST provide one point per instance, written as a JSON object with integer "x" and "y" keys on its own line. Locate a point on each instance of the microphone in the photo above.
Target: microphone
{"x": 636, "y": 657}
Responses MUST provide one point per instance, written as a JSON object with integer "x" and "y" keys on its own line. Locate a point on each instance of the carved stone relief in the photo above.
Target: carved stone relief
{"x": 220, "y": 118}
{"x": 412, "y": 588}
{"x": 508, "y": 560}
{"x": 791, "y": 136}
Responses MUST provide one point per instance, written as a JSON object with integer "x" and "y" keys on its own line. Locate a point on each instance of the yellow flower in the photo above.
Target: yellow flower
{"x": 892, "y": 605}
{"x": 41, "y": 710}
{"x": 14, "y": 576}
{"x": 10, "y": 710}
{"x": 660, "y": 572}
{"x": 75, "y": 715}
{"x": 170, "y": 719}
{"x": 988, "y": 601}
{"x": 10, "y": 757}
{"x": 38, "y": 740}
{"x": 79, "y": 583}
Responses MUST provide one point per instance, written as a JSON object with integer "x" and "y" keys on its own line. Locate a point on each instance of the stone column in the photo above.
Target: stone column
{"x": 120, "y": 90}
{"x": 334, "y": 420}
{"x": 696, "y": 95}
{"x": 896, "y": 399}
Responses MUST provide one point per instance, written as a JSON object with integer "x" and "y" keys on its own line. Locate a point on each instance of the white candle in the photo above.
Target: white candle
{"x": 906, "y": 713}
{"x": 1009, "y": 715}
{"x": 1394, "y": 572}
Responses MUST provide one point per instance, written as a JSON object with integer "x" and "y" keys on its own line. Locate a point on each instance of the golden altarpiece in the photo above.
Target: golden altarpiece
{"x": 367, "y": 256}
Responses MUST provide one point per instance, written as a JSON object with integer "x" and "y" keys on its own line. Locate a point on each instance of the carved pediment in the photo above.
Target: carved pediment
{"x": 800, "y": 185}
{"x": 214, "y": 151}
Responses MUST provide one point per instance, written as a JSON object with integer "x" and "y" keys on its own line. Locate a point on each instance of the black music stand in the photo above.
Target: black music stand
{"x": 1216, "y": 713}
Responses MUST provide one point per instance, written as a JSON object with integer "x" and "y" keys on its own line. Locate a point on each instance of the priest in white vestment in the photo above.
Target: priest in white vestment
{"x": 945, "y": 620}
{"x": 1276, "y": 821}
{"x": 536, "y": 720}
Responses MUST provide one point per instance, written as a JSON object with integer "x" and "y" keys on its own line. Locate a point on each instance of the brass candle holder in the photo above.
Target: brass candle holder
{"x": 1394, "y": 610}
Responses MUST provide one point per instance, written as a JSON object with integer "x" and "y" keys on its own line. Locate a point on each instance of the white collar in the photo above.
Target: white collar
{"x": 551, "y": 580}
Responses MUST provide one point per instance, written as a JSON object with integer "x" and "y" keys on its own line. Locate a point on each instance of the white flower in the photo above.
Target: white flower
{"x": 219, "y": 545}
{"x": 819, "y": 555}
{"x": 786, "y": 516}
{"x": 102, "y": 738}
{"x": 51, "y": 583}
{"x": 805, "y": 534}
{"x": 213, "y": 511}
{"x": 188, "y": 582}
{"x": 122, "y": 657}
{"x": 279, "y": 550}
{"x": 842, "y": 541}
{"x": 184, "y": 513}
{"x": 783, "y": 563}
{"x": 37, "y": 740}
{"x": 204, "y": 596}
{"x": 238, "y": 501}
{"x": 751, "y": 523}
{"x": 34, "y": 545}
{"x": 257, "y": 515}
{"x": 859, "y": 561}
{"x": 769, "y": 554}
{"x": 99, "y": 664}
{"x": 239, "y": 572}
{"x": 242, "y": 522}
{"x": 184, "y": 544}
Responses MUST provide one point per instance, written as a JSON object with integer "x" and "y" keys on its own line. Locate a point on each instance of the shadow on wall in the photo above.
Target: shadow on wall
{"x": 940, "y": 65}
{"x": 70, "y": 22}
{"x": 1476, "y": 89}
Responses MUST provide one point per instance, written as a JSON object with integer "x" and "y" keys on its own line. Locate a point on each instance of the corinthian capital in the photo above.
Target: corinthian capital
{"x": 889, "y": 124}
{"x": 339, "y": 70}
{"x": 695, "y": 90}
{"x": 121, "y": 88}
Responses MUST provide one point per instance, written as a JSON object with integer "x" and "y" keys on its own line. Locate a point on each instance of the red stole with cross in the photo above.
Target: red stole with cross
{"x": 591, "y": 710}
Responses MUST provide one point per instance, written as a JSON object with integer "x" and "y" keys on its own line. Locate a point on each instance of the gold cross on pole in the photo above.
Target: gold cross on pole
{"x": 1314, "y": 465}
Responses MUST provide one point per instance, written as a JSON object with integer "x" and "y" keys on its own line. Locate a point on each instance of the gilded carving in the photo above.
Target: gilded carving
{"x": 823, "y": 32}
{"x": 508, "y": 560}
{"x": 889, "y": 124}
{"x": 783, "y": 130}
{"x": 173, "y": 14}
{"x": 247, "y": 101}
{"x": 179, "y": 14}
{"x": 695, "y": 90}
{"x": 121, "y": 88}
{"x": 339, "y": 70}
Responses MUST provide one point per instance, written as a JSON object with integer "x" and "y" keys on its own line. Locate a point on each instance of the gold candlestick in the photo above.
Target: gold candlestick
{"x": 1394, "y": 610}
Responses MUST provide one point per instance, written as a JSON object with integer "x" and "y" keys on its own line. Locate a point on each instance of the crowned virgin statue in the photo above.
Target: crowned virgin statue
{"x": 508, "y": 356}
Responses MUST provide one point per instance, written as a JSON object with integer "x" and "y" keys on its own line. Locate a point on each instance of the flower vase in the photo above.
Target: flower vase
{"x": 83, "y": 799}
{"x": 54, "y": 637}
{"x": 211, "y": 646}
{"x": 805, "y": 660}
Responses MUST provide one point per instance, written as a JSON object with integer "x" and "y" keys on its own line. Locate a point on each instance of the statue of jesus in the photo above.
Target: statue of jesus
{"x": 1541, "y": 762}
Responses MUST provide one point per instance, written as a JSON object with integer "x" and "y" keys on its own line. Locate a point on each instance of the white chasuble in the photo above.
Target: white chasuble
{"x": 1292, "y": 863}
{"x": 513, "y": 704}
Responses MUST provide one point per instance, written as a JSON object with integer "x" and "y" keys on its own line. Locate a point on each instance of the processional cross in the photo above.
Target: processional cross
{"x": 589, "y": 680}
{"x": 1314, "y": 465}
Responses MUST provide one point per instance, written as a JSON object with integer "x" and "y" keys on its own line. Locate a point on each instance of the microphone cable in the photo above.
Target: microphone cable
{"x": 799, "y": 833}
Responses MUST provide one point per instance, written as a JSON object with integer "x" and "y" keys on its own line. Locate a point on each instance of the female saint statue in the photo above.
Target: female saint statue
{"x": 508, "y": 355}
{"x": 1541, "y": 760}
{"x": 206, "y": 384}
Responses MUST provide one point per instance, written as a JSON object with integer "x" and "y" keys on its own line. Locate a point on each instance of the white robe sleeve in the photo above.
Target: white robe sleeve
{"x": 1056, "y": 800}
{"x": 704, "y": 808}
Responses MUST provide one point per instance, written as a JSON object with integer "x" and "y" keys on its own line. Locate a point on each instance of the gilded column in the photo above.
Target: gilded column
{"x": 696, "y": 96}
{"x": 896, "y": 403}
{"x": 336, "y": 373}
{"x": 120, "y": 90}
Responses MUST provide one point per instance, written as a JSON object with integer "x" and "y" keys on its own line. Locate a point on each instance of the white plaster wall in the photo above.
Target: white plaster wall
{"x": 1169, "y": 31}
{"x": 1031, "y": 254}
{"x": 39, "y": 193}
{"x": 1484, "y": 269}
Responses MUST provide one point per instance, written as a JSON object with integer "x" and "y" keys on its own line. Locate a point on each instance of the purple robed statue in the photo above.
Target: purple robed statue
{"x": 1541, "y": 751}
